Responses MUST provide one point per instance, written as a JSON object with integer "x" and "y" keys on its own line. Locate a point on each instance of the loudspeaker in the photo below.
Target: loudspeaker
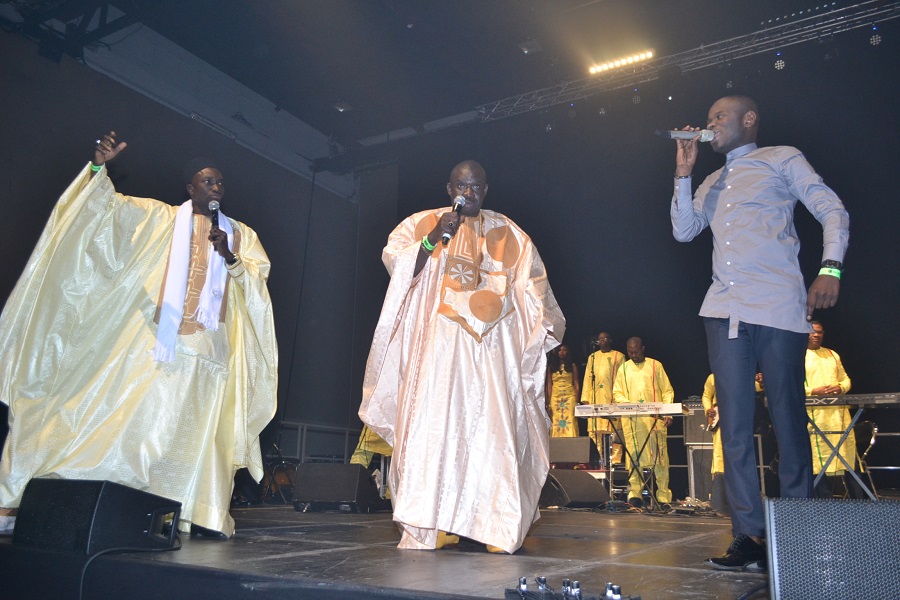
{"x": 830, "y": 548}
{"x": 695, "y": 429}
{"x": 570, "y": 450}
{"x": 331, "y": 486}
{"x": 700, "y": 472}
{"x": 87, "y": 516}
{"x": 572, "y": 488}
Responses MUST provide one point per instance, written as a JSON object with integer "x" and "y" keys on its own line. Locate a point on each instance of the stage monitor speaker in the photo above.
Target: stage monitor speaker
{"x": 334, "y": 486}
{"x": 570, "y": 450}
{"x": 831, "y": 548}
{"x": 87, "y": 516}
{"x": 572, "y": 488}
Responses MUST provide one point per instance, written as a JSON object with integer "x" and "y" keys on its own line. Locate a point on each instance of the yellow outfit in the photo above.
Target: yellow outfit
{"x": 824, "y": 367}
{"x": 599, "y": 376}
{"x": 370, "y": 444}
{"x": 88, "y": 401}
{"x": 637, "y": 383}
{"x": 709, "y": 400}
{"x": 562, "y": 404}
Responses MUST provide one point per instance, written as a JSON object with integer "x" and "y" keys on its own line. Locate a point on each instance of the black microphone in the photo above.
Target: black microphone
{"x": 458, "y": 203}
{"x": 705, "y": 135}
{"x": 214, "y": 213}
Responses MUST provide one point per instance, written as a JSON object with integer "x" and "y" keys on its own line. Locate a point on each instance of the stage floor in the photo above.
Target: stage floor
{"x": 278, "y": 552}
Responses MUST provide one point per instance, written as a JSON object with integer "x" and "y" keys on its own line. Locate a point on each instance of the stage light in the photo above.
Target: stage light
{"x": 621, "y": 62}
{"x": 342, "y": 107}
{"x": 779, "y": 65}
{"x": 875, "y": 40}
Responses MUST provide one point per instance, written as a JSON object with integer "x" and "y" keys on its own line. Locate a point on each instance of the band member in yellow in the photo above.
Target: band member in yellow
{"x": 825, "y": 376}
{"x": 563, "y": 391}
{"x": 599, "y": 376}
{"x": 639, "y": 380}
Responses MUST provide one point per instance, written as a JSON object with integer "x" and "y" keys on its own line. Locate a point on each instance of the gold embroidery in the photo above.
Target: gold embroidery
{"x": 200, "y": 248}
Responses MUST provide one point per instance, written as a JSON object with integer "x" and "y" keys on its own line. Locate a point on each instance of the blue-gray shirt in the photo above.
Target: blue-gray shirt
{"x": 749, "y": 205}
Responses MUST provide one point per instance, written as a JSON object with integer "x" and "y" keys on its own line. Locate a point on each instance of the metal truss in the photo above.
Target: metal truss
{"x": 821, "y": 26}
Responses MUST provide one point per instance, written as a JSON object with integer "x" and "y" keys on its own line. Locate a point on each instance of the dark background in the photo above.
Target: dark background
{"x": 592, "y": 187}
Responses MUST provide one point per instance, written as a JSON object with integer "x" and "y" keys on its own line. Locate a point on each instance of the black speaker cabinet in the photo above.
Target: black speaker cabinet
{"x": 87, "y": 516}
{"x": 570, "y": 450}
{"x": 331, "y": 486}
{"x": 573, "y": 488}
{"x": 700, "y": 472}
{"x": 831, "y": 548}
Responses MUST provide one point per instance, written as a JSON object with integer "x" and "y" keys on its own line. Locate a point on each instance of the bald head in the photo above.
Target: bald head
{"x": 468, "y": 179}
{"x": 635, "y": 349}
{"x": 735, "y": 121}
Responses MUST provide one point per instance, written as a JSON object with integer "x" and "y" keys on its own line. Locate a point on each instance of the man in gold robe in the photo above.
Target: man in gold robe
{"x": 455, "y": 376}
{"x": 138, "y": 347}
{"x": 642, "y": 379}
{"x": 825, "y": 376}
{"x": 599, "y": 376}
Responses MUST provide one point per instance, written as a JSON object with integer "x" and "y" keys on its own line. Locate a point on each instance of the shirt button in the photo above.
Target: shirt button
{"x": 728, "y": 205}
{"x": 728, "y": 262}
{"x": 727, "y": 224}
{"x": 730, "y": 283}
{"x": 727, "y": 243}
{"x": 729, "y": 187}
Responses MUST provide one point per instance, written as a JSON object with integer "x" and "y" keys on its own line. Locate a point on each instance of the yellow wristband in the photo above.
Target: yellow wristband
{"x": 830, "y": 271}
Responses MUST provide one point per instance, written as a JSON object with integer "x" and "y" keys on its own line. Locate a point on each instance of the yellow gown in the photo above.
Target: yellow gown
{"x": 562, "y": 404}
{"x": 638, "y": 383}
{"x": 824, "y": 367}
{"x": 88, "y": 401}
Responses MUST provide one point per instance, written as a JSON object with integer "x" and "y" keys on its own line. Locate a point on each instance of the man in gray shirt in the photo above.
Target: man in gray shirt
{"x": 757, "y": 309}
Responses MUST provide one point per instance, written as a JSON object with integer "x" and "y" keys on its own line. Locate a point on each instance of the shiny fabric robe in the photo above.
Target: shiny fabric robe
{"x": 824, "y": 367}
{"x": 86, "y": 398}
{"x": 461, "y": 398}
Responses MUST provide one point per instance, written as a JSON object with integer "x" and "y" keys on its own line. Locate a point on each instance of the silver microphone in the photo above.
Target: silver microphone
{"x": 458, "y": 204}
{"x": 705, "y": 135}
{"x": 214, "y": 212}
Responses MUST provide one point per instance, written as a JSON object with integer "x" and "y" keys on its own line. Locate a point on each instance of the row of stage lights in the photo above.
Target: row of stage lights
{"x": 621, "y": 62}
{"x": 779, "y": 64}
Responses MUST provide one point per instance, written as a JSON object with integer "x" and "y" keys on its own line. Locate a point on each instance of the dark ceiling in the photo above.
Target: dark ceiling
{"x": 401, "y": 63}
{"x": 398, "y": 64}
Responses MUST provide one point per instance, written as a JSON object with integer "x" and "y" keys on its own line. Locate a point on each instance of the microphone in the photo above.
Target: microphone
{"x": 214, "y": 210}
{"x": 705, "y": 135}
{"x": 458, "y": 203}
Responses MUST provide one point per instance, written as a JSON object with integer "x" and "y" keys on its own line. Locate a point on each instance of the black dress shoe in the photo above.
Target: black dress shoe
{"x": 636, "y": 502}
{"x": 742, "y": 555}
{"x": 210, "y": 534}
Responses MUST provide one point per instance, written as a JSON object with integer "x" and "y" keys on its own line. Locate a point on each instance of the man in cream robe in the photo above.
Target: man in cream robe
{"x": 455, "y": 376}
{"x": 89, "y": 398}
{"x": 642, "y": 379}
{"x": 825, "y": 376}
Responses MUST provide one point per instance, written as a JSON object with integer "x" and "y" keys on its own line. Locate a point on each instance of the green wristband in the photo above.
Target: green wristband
{"x": 96, "y": 168}
{"x": 830, "y": 271}
{"x": 427, "y": 246}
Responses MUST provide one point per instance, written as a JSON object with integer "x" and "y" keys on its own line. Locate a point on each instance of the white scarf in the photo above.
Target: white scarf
{"x": 175, "y": 285}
